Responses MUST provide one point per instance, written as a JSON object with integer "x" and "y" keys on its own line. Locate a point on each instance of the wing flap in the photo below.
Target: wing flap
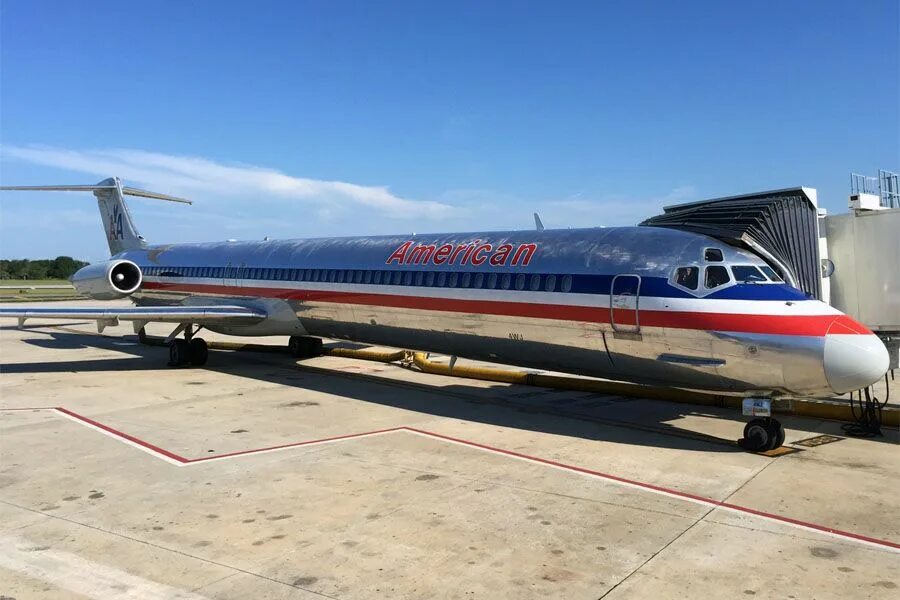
{"x": 199, "y": 315}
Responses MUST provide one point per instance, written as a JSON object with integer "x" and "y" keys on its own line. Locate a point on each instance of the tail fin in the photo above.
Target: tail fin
{"x": 121, "y": 233}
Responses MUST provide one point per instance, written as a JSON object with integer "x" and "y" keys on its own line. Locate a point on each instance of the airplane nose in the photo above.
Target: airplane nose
{"x": 853, "y": 362}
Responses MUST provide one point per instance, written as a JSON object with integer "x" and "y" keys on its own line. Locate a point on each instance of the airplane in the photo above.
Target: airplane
{"x": 648, "y": 305}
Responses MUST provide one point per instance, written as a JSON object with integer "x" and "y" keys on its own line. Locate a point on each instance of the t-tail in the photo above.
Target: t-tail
{"x": 121, "y": 233}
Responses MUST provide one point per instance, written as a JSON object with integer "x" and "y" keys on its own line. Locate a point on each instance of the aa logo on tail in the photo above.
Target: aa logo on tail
{"x": 115, "y": 229}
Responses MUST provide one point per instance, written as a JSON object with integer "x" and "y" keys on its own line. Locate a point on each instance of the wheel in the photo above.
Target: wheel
{"x": 295, "y": 345}
{"x": 776, "y": 433}
{"x": 305, "y": 347}
{"x": 179, "y": 353}
{"x": 756, "y": 436}
{"x": 198, "y": 352}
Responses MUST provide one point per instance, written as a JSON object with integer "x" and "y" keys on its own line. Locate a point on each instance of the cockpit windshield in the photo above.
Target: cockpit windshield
{"x": 748, "y": 274}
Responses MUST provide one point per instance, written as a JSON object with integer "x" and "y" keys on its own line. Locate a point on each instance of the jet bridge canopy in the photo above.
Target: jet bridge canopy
{"x": 780, "y": 226}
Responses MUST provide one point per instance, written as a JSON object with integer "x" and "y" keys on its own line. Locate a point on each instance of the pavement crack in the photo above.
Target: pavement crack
{"x": 167, "y": 549}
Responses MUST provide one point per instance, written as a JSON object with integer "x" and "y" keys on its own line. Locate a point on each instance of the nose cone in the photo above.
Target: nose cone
{"x": 854, "y": 361}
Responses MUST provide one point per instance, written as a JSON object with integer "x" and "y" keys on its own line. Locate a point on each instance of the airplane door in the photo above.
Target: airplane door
{"x": 623, "y": 303}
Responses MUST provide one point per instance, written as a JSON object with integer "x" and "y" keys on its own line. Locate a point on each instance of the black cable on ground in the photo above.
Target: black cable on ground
{"x": 867, "y": 412}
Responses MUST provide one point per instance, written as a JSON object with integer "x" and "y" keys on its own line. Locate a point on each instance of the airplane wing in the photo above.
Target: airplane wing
{"x": 198, "y": 315}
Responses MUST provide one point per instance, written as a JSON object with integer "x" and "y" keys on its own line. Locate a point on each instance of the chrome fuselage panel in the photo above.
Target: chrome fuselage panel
{"x": 730, "y": 339}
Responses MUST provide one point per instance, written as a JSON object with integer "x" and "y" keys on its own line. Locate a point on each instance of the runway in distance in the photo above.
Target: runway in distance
{"x": 648, "y": 305}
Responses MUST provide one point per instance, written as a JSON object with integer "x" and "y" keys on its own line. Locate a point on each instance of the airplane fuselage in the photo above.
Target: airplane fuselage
{"x": 649, "y": 305}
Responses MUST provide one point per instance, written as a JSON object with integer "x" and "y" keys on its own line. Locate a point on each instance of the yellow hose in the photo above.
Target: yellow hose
{"x": 820, "y": 409}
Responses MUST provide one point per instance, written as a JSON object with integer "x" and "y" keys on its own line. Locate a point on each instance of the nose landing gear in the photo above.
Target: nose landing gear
{"x": 762, "y": 434}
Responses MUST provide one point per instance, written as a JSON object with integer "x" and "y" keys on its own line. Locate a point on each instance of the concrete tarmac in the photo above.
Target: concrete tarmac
{"x": 261, "y": 477}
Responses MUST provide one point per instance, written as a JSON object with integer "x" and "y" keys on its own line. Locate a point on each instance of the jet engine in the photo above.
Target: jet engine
{"x": 108, "y": 280}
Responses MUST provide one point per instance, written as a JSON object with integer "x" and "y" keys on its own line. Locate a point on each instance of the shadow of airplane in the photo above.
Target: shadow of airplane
{"x": 584, "y": 415}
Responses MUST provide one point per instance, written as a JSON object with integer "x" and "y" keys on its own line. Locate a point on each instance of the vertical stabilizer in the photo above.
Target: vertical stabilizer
{"x": 121, "y": 234}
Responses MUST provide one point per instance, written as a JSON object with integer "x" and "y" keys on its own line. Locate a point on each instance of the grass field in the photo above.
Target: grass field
{"x": 24, "y": 294}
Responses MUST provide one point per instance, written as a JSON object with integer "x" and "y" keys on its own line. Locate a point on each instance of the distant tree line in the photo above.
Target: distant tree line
{"x": 61, "y": 267}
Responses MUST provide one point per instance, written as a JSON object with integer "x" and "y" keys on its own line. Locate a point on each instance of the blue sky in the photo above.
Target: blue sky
{"x": 296, "y": 119}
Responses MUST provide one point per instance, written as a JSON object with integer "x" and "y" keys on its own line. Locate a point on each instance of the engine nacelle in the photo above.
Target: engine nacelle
{"x": 108, "y": 280}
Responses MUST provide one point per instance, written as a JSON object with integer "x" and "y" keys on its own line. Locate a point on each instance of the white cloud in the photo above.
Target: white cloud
{"x": 613, "y": 210}
{"x": 189, "y": 176}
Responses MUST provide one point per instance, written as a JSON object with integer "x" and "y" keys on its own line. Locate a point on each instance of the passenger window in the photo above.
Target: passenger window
{"x": 429, "y": 278}
{"x": 407, "y": 278}
{"x": 506, "y": 281}
{"x": 479, "y": 280}
{"x": 567, "y": 283}
{"x": 419, "y": 277}
{"x": 771, "y": 273}
{"x": 716, "y": 276}
{"x": 689, "y": 277}
{"x": 535, "y": 283}
{"x": 712, "y": 255}
{"x": 550, "y": 283}
{"x": 340, "y": 276}
{"x": 454, "y": 278}
{"x": 466, "y": 280}
{"x": 747, "y": 273}
{"x": 368, "y": 277}
{"x": 492, "y": 281}
{"x": 358, "y": 277}
{"x": 520, "y": 281}
{"x": 395, "y": 278}
{"x": 442, "y": 279}
{"x": 376, "y": 277}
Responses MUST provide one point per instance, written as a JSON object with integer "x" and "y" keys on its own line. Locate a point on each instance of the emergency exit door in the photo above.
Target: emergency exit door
{"x": 624, "y": 300}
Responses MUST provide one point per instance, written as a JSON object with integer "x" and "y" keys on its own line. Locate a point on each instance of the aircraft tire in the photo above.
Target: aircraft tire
{"x": 305, "y": 347}
{"x": 179, "y": 353}
{"x": 198, "y": 352}
{"x": 756, "y": 436}
{"x": 776, "y": 433}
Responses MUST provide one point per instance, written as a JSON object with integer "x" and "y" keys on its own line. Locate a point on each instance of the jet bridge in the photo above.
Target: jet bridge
{"x": 780, "y": 226}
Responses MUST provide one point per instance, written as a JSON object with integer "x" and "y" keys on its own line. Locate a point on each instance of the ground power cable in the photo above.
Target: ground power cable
{"x": 867, "y": 409}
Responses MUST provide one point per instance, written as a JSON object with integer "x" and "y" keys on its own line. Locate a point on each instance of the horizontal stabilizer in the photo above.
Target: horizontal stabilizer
{"x": 128, "y": 191}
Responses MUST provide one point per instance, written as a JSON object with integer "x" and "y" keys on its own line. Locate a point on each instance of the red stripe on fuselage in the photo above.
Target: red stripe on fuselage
{"x": 809, "y": 325}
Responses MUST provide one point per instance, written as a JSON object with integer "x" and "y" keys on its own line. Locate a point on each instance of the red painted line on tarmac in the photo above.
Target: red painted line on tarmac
{"x": 123, "y": 435}
{"x": 292, "y": 445}
{"x": 650, "y": 486}
{"x": 535, "y": 459}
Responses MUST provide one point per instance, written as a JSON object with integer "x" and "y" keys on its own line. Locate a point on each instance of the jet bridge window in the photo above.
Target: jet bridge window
{"x": 712, "y": 255}
{"x": 747, "y": 273}
{"x": 716, "y": 276}
{"x": 688, "y": 277}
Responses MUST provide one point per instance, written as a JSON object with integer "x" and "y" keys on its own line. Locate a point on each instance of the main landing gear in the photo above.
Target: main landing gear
{"x": 763, "y": 434}
{"x": 188, "y": 351}
{"x": 305, "y": 347}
